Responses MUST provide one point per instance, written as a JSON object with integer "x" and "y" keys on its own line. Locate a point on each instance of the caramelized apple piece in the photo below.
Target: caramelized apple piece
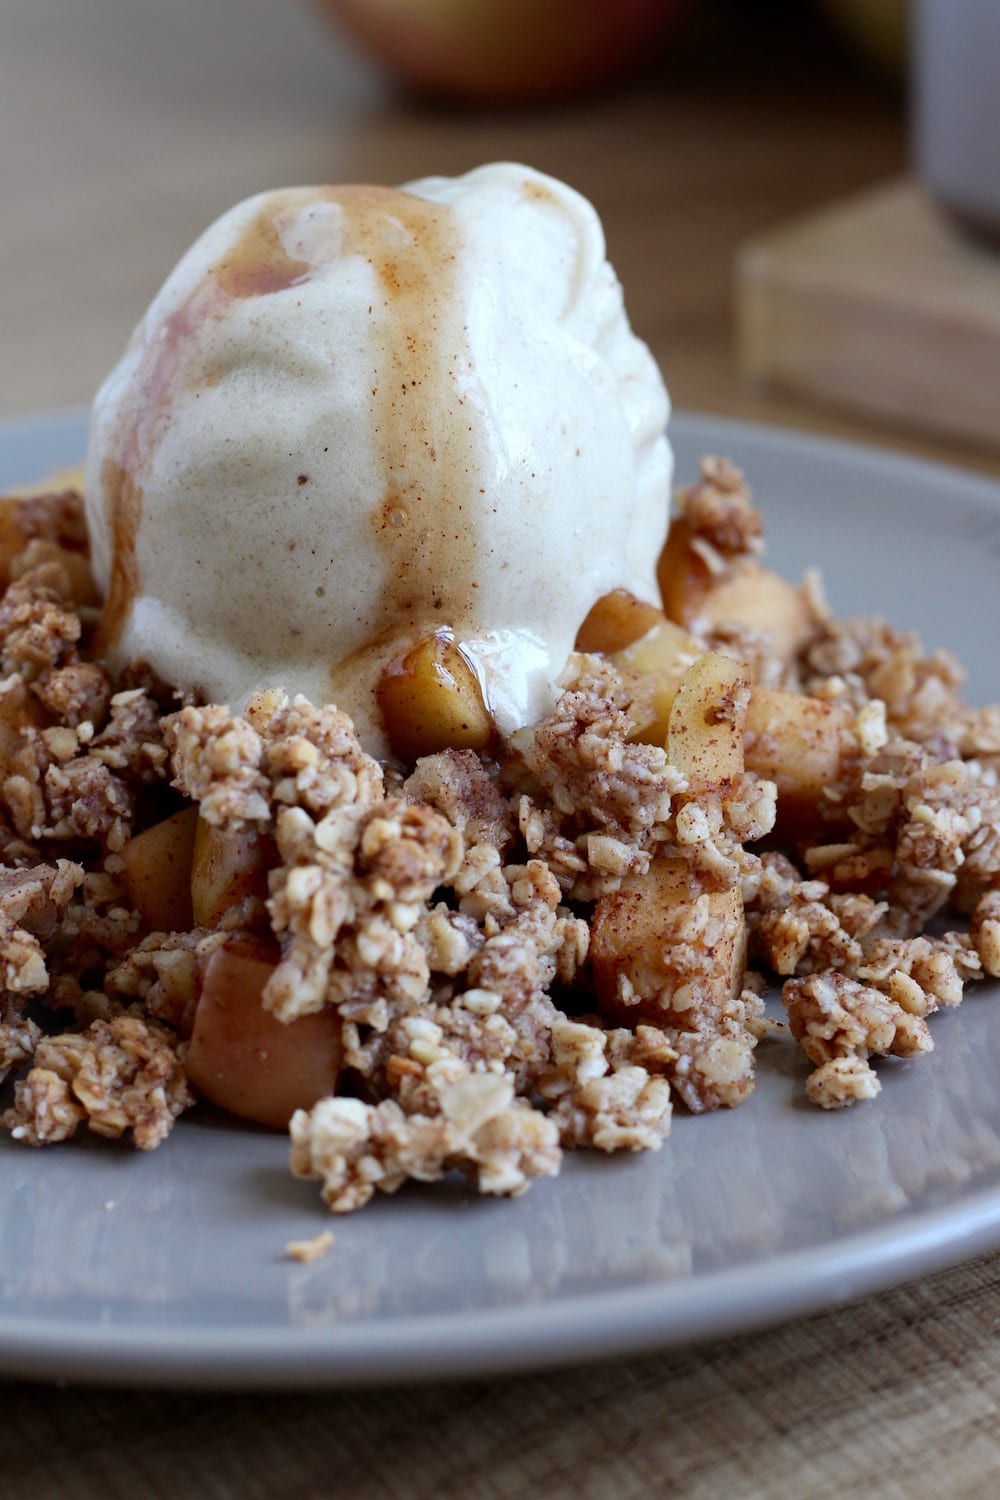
{"x": 707, "y": 721}
{"x": 765, "y": 603}
{"x": 243, "y": 1058}
{"x": 430, "y": 700}
{"x": 157, "y": 872}
{"x": 616, "y": 621}
{"x": 803, "y": 745}
{"x": 229, "y": 875}
{"x": 656, "y": 664}
{"x": 663, "y": 948}
{"x": 682, "y": 573}
{"x": 745, "y": 593}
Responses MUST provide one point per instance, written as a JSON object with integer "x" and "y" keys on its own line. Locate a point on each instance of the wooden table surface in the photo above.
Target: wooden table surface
{"x": 123, "y": 129}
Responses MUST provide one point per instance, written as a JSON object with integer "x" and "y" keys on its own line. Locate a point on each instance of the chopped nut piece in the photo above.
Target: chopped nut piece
{"x": 307, "y": 1251}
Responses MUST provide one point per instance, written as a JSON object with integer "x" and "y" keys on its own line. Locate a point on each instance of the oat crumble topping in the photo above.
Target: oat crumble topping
{"x": 121, "y": 1075}
{"x": 497, "y": 955}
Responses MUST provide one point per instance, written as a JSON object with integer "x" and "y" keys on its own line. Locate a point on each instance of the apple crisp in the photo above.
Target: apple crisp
{"x": 473, "y": 959}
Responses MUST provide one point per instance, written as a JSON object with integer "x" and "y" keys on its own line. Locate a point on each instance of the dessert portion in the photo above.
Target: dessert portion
{"x": 631, "y": 781}
{"x": 356, "y": 420}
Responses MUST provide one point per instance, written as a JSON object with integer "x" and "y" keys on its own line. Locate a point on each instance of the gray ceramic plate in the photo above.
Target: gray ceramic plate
{"x": 170, "y": 1269}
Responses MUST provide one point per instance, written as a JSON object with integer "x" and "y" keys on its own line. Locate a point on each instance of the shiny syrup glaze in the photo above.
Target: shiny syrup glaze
{"x": 422, "y": 433}
{"x": 430, "y": 699}
{"x": 258, "y": 263}
{"x": 423, "y": 438}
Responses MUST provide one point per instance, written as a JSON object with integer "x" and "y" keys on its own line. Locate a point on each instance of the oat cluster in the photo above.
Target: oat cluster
{"x": 518, "y": 953}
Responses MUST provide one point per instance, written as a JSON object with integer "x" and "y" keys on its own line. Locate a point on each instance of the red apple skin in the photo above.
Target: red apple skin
{"x": 243, "y": 1058}
{"x": 506, "y": 51}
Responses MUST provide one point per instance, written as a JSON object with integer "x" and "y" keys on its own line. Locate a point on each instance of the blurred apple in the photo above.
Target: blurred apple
{"x": 505, "y": 51}
{"x": 877, "y": 27}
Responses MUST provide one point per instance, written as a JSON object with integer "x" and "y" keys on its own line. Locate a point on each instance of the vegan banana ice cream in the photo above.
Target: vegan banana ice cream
{"x": 354, "y": 416}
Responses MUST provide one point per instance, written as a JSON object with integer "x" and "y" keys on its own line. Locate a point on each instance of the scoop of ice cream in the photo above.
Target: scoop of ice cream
{"x": 355, "y": 415}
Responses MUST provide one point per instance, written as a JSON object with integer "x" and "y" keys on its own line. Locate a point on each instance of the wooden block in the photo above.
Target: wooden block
{"x": 879, "y": 304}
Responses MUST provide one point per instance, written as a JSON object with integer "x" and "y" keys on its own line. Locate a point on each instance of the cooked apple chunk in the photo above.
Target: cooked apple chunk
{"x": 654, "y": 666}
{"x": 430, "y": 700}
{"x": 157, "y": 872}
{"x": 229, "y": 875}
{"x": 707, "y": 721}
{"x": 665, "y": 950}
{"x": 805, "y": 746}
{"x": 703, "y": 593}
{"x": 242, "y": 1058}
{"x": 616, "y": 621}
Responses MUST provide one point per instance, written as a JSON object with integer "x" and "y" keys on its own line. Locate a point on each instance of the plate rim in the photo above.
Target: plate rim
{"x": 564, "y": 1329}
{"x": 500, "y": 1341}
